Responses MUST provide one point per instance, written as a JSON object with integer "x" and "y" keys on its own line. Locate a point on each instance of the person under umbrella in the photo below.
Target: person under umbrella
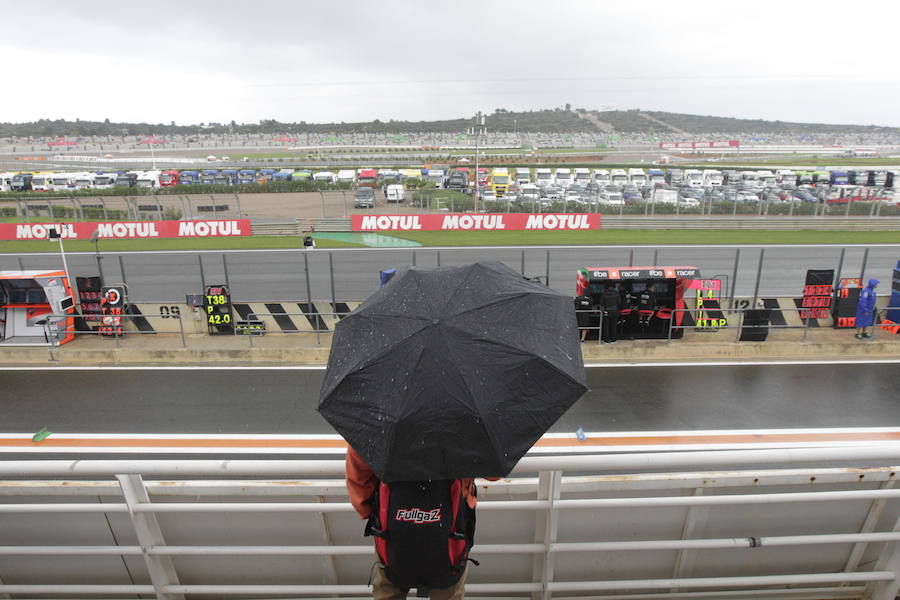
{"x": 444, "y": 375}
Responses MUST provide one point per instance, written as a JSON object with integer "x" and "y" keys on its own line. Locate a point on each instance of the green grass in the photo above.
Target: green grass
{"x": 624, "y": 237}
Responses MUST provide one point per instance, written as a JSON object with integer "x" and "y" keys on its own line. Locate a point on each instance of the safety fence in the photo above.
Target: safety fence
{"x": 351, "y": 274}
{"x": 819, "y": 520}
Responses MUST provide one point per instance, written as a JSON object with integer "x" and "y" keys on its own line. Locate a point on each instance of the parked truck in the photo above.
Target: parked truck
{"x": 637, "y": 177}
{"x": 500, "y": 181}
{"x": 367, "y": 178}
{"x": 169, "y": 178}
{"x": 543, "y": 177}
{"x": 523, "y": 175}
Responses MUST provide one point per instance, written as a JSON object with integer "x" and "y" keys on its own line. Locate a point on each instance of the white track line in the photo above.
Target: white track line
{"x": 610, "y": 365}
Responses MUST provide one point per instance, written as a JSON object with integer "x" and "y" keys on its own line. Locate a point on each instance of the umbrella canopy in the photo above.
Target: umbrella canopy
{"x": 452, "y": 372}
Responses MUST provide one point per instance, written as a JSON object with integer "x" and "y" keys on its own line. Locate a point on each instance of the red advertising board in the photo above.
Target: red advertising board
{"x": 477, "y": 222}
{"x": 128, "y": 229}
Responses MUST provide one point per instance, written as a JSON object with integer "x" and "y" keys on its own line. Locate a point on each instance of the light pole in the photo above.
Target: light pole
{"x": 476, "y": 131}
{"x": 53, "y": 234}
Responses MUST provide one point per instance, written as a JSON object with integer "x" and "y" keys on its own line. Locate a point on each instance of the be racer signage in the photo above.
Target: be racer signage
{"x": 477, "y": 222}
{"x": 128, "y": 229}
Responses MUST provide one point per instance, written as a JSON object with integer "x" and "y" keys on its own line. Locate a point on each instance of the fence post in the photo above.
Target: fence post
{"x": 548, "y": 269}
{"x": 674, "y": 312}
{"x": 656, "y": 257}
{"x": 181, "y": 329}
{"x": 306, "y": 275}
{"x": 225, "y": 268}
{"x": 331, "y": 273}
{"x": 438, "y": 258}
{"x": 762, "y": 256}
{"x": 414, "y": 258}
{"x": 631, "y": 257}
{"x": 847, "y": 212}
{"x": 862, "y": 271}
{"x": 237, "y": 198}
{"x": 122, "y": 269}
{"x": 202, "y": 275}
{"x": 737, "y": 338}
{"x": 21, "y": 267}
{"x": 322, "y": 196}
{"x": 523, "y": 262}
{"x": 840, "y": 267}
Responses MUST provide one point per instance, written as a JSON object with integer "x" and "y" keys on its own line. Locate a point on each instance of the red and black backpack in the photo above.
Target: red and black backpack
{"x": 423, "y": 532}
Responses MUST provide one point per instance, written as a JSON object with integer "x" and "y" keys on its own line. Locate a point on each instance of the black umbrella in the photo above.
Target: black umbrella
{"x": 452, "y": 372}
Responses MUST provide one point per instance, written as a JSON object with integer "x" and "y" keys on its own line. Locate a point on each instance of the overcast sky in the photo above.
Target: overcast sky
{"x": 201, "y": 61}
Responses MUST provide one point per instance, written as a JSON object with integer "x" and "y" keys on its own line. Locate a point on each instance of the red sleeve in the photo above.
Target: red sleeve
{"x": 361, "y": 483}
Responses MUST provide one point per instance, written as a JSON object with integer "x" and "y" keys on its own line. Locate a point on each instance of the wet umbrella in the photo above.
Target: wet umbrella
{"x": 452, "y": 372}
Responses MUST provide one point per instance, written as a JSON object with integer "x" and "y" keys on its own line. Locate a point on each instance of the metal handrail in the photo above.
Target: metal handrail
{"x": 883, "y": 576}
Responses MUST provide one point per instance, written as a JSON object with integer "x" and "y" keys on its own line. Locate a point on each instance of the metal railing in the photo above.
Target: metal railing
{"x": 565, "y": 487}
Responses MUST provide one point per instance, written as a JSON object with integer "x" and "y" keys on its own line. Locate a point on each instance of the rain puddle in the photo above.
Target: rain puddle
{"x": 373, "y": 240}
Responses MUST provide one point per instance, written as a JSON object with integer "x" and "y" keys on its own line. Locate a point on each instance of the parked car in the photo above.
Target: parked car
{"x": 364, "y": 197}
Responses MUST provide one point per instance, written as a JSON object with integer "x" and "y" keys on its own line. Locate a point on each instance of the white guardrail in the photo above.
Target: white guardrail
{"x": 793, "y": 522}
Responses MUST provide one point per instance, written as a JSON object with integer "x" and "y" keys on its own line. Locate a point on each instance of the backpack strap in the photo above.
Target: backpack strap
{"x": 458, "y": 539}
{"x": 376, "y": 526}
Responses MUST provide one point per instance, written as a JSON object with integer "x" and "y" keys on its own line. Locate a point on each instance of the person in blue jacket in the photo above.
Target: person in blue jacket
{"x": 865, "y": 310}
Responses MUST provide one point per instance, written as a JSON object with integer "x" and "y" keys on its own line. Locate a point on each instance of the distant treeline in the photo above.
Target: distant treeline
{"x": 555, "y": 120}
{"x": 549, "y": 121}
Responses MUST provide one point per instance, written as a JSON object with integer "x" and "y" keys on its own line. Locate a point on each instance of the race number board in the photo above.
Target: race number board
{"x": 217, "y": 302}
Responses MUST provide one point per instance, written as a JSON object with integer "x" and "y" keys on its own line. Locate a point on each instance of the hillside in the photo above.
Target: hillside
{"x": 635, "y": 121}
{"x": 556, "y": 120}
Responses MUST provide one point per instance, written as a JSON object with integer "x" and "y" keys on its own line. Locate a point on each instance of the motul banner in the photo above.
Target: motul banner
{"x": 476, "y": 222}
{"x": 128, "y": 230}
{"x": 685, "y": 145}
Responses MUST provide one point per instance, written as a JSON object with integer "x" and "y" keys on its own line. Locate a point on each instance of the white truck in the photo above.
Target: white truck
{"x": 563, "y": 177}
{"x": 786, "y": 177}
{"x": 148, "y": 179}
{"x": 619, "y": 178}
{"x": 325, "y": 177}
{"x": 582, "y": 176}
{"x": 436, "y": 176}
{"x": 61, "y": 182}
{"x": 6, "y": 181}
{"x": 637, "y": 177}
{"x": 530, "y": 192}
{"x": 765, "y": 178}
{"x": 523, "y": 175}
{"x": 41, "y": 182}
{"x": 543, "y": 177}
{"x": 712, "y": 178}
{"x": 601, "y": 177}
{"x": 693, "y": 177}
{"x": 84, "y": 181}
{"x": 104, "y": 181}
{"x": 346, "y": 176}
